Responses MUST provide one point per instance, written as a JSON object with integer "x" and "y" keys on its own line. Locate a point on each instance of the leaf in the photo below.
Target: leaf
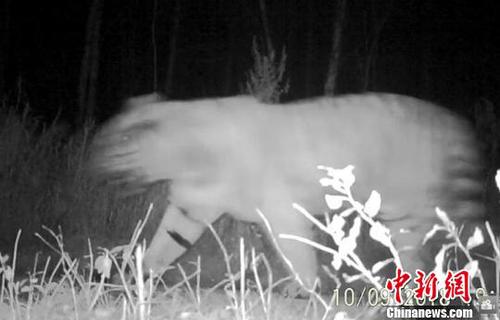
{"x": 347, "y": 176}
{"x": 329, "y": 170}
{"x": 497, "y": 179}
{"x": 334, "y": 229}
{"x": 444, "y": 218}
{"x": 328, "y": 182}
{"x": 380, "y": 233}
{"x": 379, "y": 265}
{"x": 8, "y": 274}
{"x": 348, "y": 244}
{"x": 372, "y": 205}
{"x": 334, "y": 202}
{"x": 352, "y": 278}
{"x": 475, "y": 240}
{"x": 103, "y": 265}
{"x": 432, "y": 232}
{"x": 439, "y": 261}
{"x": 336, "y": 262}
{"x": 4, "y": 258}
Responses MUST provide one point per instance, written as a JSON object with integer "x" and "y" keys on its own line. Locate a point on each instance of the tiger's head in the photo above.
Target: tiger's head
{"x": 151, "y": 141}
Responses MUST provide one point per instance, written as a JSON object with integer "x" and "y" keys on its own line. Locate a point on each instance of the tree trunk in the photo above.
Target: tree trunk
{"x": 232, "y": 51}
{"x": 172, "y": 52}
{"x": 4, "y": 43}
{"x": 310, "y": 48}
{"x": 333, "y": 64}
{"x": 90, "y": 64}
{"x": 155, "y": 48}
{"x": 377, "y": 24}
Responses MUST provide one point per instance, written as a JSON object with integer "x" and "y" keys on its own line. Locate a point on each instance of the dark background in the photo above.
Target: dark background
{"x": 443, "y": 51}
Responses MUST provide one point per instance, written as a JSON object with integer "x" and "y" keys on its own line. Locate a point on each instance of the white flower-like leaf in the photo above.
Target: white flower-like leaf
{"x": 103, "y": 265}
{"x": 334, "y": 202}
{"x": 476, "y": 239}
{"x": 335, "y": 229}
{"x": 497, "y": 179}
{"x": 372, "y": 205}
{"x": 380, "y": 233}
{"x": 445, "y": 219}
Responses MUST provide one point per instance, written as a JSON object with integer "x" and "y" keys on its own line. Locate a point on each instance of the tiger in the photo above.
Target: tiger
{"x": 236, "y": 154}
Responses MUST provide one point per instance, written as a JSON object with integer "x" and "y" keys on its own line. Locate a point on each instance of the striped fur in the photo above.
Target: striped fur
{"x": 235, "y": 155}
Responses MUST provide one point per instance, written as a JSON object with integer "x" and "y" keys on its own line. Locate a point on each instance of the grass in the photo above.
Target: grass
{"x": 65, "y": 292}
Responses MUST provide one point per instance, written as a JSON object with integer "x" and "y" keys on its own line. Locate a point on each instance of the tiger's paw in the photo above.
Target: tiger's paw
{"x": 293, "y": 289}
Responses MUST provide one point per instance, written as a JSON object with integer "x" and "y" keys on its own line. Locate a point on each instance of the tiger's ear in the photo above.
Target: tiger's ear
{"x": 137, "y": 102}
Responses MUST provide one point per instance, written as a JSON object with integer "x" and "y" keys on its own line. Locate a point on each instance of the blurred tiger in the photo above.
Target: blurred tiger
{"x": 235, "y": 154}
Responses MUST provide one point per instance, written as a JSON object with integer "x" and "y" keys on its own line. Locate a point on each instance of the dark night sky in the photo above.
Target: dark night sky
{"x": 445, "y": 51}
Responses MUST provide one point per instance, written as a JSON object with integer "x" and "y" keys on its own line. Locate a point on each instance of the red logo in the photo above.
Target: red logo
{"x": 456, "y": 285}
{"x": 398, "y": 283}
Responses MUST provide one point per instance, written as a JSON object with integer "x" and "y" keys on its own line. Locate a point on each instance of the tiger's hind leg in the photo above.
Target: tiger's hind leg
{"x": 175, "y": 234}
{"x": 301, "y": 256}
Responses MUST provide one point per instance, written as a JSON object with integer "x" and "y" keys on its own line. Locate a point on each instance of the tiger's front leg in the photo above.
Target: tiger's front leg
{"x": 176, "y": 232}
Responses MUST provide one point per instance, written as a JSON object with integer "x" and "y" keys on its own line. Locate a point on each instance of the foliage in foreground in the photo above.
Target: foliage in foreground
{"x": 66, "y": 292}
